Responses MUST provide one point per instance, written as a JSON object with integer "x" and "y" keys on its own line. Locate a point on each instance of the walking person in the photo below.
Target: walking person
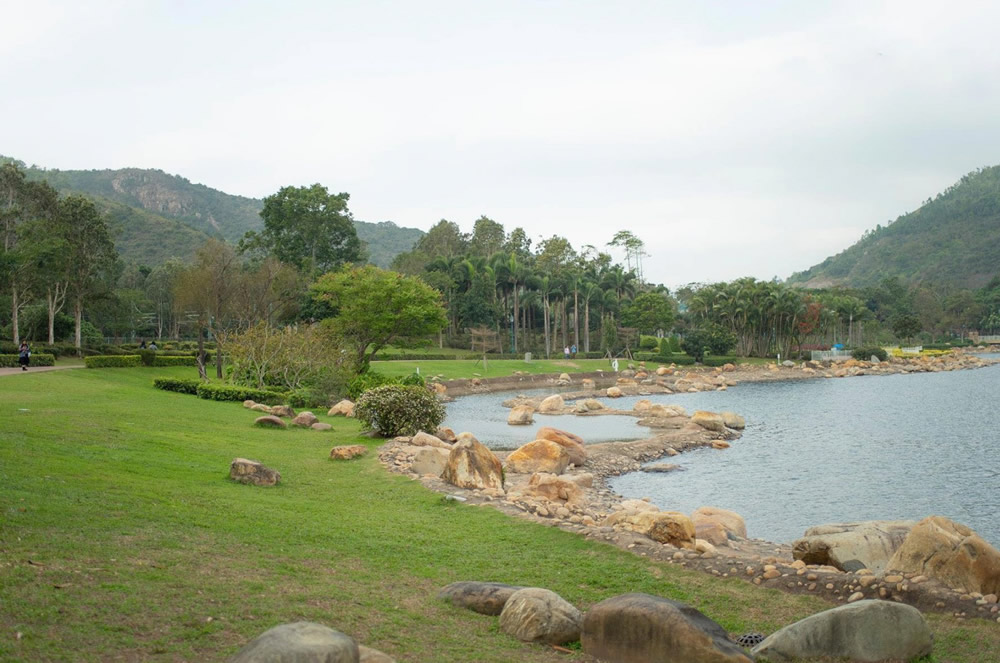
{"x": 24, "y": 355}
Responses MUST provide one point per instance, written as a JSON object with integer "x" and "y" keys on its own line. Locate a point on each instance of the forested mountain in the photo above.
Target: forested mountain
{"x": 951, "y": 240}
{"x": 156, "y": 216}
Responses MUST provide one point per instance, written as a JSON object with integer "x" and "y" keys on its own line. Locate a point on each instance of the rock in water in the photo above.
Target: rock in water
{"x": 640, "y": 628}
{"x": 572, "y": 443}
{"x": 300, "y": 642}
{"x": 862, "y": 631}
{"x": 539, "y": 615}
{"x": 522, "y": 415}
{"x": 709, "y": 421}
{"x": 252, "y": 472}
{"x": 552, "y": 405}
{"x": 486, "y": 598}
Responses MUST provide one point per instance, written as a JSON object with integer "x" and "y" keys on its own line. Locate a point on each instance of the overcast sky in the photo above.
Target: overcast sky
{"x": 735, "y": 138}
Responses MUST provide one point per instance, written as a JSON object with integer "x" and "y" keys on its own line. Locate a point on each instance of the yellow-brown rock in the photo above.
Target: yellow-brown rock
{"x": 733, "y": 420}
{"x": 709, "y": 420}
{"x": 522, "y": 415}
{"x": 538, "y": 456}
{"x": 615, "y": 392}
{"x": 472, "y": 465}
{"x": 717, "y": 525}
{"x": 572, "y": 443}
{"x": 554, "y": 404}
{"x": 950, "y": 553}
{"x": 554, "y": 488}
{"x": 343, "y": 408}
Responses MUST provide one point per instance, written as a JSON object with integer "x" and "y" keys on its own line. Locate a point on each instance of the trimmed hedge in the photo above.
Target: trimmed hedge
{"x": 230, "y": 392}
{"x": 112, "y": 361}
{"x": 864, "y": 354}
{"x": 679, "y": 359}
{"x": 181, "y": 386}
{"x": 40, "y": 359}
{"x": 721, "y": 360}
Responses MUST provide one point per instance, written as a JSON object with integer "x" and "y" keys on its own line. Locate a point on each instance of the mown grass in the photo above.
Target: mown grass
{"x": 455, "y": 369}
{"x": 121, "y": 538}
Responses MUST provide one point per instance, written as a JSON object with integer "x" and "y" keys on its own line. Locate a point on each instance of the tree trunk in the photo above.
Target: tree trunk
{"x": 77, "y": 320}
{"x": 576, "y": 319}
{"x": 545, "y": 323}
{"x": 517, "y": 313}
{"x": 201, "y": 353}
{"x": 586, "y": 326}
{"x": 13, "y": 315}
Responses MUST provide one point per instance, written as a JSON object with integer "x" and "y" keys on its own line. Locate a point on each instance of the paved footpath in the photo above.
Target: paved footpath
{"x": 34, "y": 369}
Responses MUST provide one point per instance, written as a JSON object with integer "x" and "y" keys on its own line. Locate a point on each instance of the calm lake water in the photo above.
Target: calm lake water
{"x": 813, "y": 452}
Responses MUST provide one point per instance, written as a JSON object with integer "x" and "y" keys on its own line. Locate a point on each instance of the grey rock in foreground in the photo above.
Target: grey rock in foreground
{"x": 641, "y": 628}
{"x": 486, "y": 598}
{"x": 300, "y": 642}
{"x": 862, "y": 631}
{"x": 540, "y": 615}
{"x": 850, "y": 546}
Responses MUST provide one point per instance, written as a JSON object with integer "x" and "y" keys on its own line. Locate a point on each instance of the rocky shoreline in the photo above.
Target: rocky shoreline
{"x": 576, "y": 497}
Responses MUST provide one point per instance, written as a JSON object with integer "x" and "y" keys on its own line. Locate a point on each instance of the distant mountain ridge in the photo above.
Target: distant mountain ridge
{"x": 951, "y": 240}
{"x": 156, "y": 216}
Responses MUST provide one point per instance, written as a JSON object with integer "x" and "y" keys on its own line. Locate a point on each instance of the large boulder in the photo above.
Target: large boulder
{"x": 343, "y": 408}
{"x": 950, "y": 553}
{"x": 539, "y": 615}
{"x": 554, "y": 404}
{"x": 422, "y": 439}
{"x": 305, "y": 419}
{"x": 300, "y": 642}
{"x": 321, "y": 425}
{"x": 718, "y": 526}
{"x": 712, "y": 421}
{"x": 429, "y": 461}
{"x": 472, "y": 465}
{"x": 486, "y": 598}
{"x": 252, "y": 472}
{"x": 614, "y": 392}
{"x": 671, "y": 527}
{"x": 853, "y": 546}
{"x": 522, "y": 415}
{"x": 592, "y": 404}
{"x": 538, "y": 456}
{"x": 640, "y": 628}
{"x": 369, "y": 655}
{"x": 861, "y": 631}
{"x": 269, "y": 421}
{"x": 554, "y": 488}
{"x": 282, "y": 411}
{"x": 573, "y": 444}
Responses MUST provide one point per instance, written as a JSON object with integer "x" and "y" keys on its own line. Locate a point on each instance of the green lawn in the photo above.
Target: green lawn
{"x": 121, "y": 538}
{"x": 454, "y": 369}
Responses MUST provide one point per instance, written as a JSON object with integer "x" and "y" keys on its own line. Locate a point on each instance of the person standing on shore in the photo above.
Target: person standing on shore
{"x": 24, "y": 355}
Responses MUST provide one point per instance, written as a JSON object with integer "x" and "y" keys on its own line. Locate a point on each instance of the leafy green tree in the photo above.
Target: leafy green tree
{"x": 487, "y": 237}
{"x": 711, "y": 339}
{"x": 648, "y": 312}
{"x": 373, "y": 307}
{"x": 306, "y": 227}
{"x": 91, "y": 257}
{"x": 21, "y": 202}
{"x": 906, "y": 326}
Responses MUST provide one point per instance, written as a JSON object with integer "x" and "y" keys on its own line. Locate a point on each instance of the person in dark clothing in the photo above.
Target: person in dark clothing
{"x": 24, "y": 355}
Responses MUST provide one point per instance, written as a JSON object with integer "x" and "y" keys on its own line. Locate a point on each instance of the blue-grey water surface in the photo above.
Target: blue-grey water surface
{"x": 814, "y": 451}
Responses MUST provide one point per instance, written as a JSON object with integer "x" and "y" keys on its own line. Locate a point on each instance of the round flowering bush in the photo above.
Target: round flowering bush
{"x": 399, "y": 410}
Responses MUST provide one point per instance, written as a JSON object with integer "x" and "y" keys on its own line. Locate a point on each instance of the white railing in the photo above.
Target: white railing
{"x": 830, "y": 355}
{"x": 915, "y": 350}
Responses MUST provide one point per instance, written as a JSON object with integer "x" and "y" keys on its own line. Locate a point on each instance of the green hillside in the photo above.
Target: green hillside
{"x": 157, "y": 216}
{"x": 952, "y": 240}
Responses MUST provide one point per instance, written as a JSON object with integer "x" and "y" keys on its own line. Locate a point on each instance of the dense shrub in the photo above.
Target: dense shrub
{"x": 112, "y": 361}
{"x": 399, "y": 410}
{"x": 172, "y": 360}
{"x": 367, "y": 380}
{"x": 148, "y": 357}
{"x": 680, "y": 359}
{"x": 650, "y": 343}
{"x": 413, "y": 380}
{"x": 864, "y": 354}
{"x": 720, "y": 360}
{"x": 37, "y": 359}
{"x": 229, "y": 392}
{"x": 711, "y": 339}
{"x": 180, "y": 385}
